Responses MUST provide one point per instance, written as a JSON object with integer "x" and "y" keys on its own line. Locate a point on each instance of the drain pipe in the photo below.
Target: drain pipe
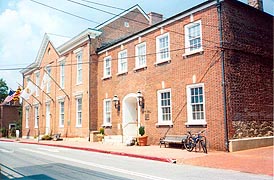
{"x": 89, "y": 86}
{"x": 219, "y": 9}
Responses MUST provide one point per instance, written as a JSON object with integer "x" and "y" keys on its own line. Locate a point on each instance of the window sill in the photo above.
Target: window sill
{"x": 61, "y": 126}
{"x": 195, "y": 124}
{"x": 167, "y": 61}
{"x": 77, "y": 84}
{"x": 140, "y": 68}
{"x": 107, "y": 125}
{"x": 163, "y": 125}
{"x": 189, "y": 53}
{"x": 78, "y": 126}
{"x": 122, "y": 73}
{"x": 106, "y": 77}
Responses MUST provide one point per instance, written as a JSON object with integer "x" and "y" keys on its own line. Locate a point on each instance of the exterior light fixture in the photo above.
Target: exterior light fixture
{"x": 116, "y": 102}
{"x": 141, "y": 101}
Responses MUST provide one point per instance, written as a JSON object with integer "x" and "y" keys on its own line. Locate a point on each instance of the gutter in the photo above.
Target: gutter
{"x": 219, "y": 9}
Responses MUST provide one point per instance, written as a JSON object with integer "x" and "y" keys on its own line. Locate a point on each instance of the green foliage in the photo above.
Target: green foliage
{"x": 46, "y": 137}
{"x": 142, "y": 130}
{"x": 102, "y": 131}
{"x": 3, "y": 131}
{"x": 3, "y": 90}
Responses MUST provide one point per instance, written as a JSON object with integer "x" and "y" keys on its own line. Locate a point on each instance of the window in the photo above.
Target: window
{"x": 48, "y": 69}
{"x": 122, "y": 62}
{"x": 107, "y": 112}
{"x": 140, "y": 53}
{"x": 79, "y": 112}
{"x": 196, "y": 104}
{"x": 62, "y": 74}
{"x": 37, "y": 81}
{"x": 79, "y": 68}
{"x": 107, "y": 66}
{"x": 162, "y": 48}
{"x": 36, "y": 118}
{"x": 164, "y": 107}
{"x": 193, "y": 37}
{"x": 27, "y": 117}
{"x": 61, "y": 114}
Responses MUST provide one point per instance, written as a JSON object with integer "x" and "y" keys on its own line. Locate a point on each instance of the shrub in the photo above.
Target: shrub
{"x": 46, "y": 137}
{"x": 142, "y": 130}
{"x": 102, "y": 131}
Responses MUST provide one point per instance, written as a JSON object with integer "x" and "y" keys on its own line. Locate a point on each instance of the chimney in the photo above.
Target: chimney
{"x": 258, "y": 4}
{"x": 154, "y": 18}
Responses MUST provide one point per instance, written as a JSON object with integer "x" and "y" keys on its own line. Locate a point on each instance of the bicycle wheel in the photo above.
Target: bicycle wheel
{"x": 203, "y": 144}
{"x": 189, "y": 144}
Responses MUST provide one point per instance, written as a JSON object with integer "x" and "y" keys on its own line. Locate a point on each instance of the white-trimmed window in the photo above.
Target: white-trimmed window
{"x": 140, "y": 53}
{"x": 164, "y": 107}
{"x": 107, "y": 67}
{"x": 107, "y": 112}
{"x": 27, "y": 117}
{"x": 37, "y": 81}
{"x": 61, "y": 113}
{"x": 163, "y": 48}
{"x": 36, "y": 111}
{"x": 196, "y": 104}
{"x": 193, "y": 37}
{"x": 79, "y": 111}
{"x": 48, "y": 69}
{"x": 79, "y": 68}
{"x": 62, "y": 74}
{"x": 122, "y": 62}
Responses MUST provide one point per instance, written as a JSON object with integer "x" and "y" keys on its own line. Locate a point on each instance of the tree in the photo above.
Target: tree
{"x": 3, "y": 90}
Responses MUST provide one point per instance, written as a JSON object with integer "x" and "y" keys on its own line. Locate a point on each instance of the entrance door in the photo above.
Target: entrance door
{"x": 47, "y": 118}
{"x": 130, "y": 116}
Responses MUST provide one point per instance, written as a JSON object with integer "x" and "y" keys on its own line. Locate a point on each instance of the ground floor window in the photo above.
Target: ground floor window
{"x": 107, "y": 112}
{"x": 79, "y": 112}
{"x": 164, "y": 107}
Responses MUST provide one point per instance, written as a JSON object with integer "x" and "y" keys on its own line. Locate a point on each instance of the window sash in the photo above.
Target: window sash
{"x": 107, "y": 112}
{"x": 122, "y": 61}
{"x": 35, "y": 117}
{"x": 37, "y": 81}
{"x": 48, "y": 69}
{"x": 140, "y": 55}
{"x": 62, "y": 75}
{"x": 79, "y": 112}
{"x": 164, "y": 107}
{"x": 163, "y": 47}
{"x": 193, "y": 37}
{"x": 62, "y": 114}
{"x": 27, "y": 117}
{"x": 79, "y": 68}
{"x": 107, "y": 69}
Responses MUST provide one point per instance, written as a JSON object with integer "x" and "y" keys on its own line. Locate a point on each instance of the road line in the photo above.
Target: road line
{"x": 98, "y": 165}
{"x": 6, "y": 151}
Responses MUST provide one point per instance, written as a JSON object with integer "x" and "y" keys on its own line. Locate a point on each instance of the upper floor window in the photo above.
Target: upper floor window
{"x": 107, "y": 66}
{"x": 193, "y": 37}
{"x": 196, "y": 104}
{"x": 62, "y": 74}
{"x": 164, "y": 107}
{"x": 37, "y": 81}
{"x": 140, "y": 53}
{"x": 61, "y": 113}
{"x": 79, "y": 68}
{"x": 48, "y": 69}
{"x": 122, "y": 62}
{"x": 36, "y": 113}
{"x": 27, "y": 117}
{"x": 107, "y": 112}
{"x": 162, "y": 48}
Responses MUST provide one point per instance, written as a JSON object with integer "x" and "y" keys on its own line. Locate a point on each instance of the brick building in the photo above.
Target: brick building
{"x": 204, "y": 68}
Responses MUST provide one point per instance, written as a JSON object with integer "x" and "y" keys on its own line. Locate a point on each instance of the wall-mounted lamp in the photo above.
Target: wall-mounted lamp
{"x": 141, "y": 101}
{"x": 116, "y": 102}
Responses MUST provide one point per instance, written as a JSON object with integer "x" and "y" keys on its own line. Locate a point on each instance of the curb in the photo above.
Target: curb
{"x": 99, "y": 151}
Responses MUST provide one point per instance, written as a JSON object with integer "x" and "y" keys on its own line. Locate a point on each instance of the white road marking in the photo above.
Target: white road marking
{"x": 98, "y": 165}
{"x": 6, "y": 151}
{"x": 47, "y": 149}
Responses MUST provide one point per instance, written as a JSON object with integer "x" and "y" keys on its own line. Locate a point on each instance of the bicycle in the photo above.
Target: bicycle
{"x": 193, "y": 139}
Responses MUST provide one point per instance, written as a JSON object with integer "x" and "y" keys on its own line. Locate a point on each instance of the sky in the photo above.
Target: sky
{"x": 23, "y": 24}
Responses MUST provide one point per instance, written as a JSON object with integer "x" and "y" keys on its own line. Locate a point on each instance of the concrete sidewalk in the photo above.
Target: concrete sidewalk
{"x": 256, "y": 161}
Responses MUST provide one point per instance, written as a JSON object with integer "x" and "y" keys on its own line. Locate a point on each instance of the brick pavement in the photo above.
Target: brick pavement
{"x": 256, "y": 161}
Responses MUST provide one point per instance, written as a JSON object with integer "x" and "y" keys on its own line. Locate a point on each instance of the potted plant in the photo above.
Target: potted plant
{"x": 101, "y": 134}
{"x": 142, "y": 139}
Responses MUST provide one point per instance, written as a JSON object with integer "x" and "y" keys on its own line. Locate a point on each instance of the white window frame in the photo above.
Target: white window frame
{"x": 37, "y": 81}
{"x": 140, "y": 56}
{"x": 62, "y": 74}
{"x": 190, "y": 120}
{"x": 36, "y": 114}
{"x": 160, "y": 108}
{"x": 61, "y": 113}
{"x": 188, "y": 49}
{"x": 159, "y": 59}
{"x": 27, "y": 116}
{"x": 48, "y": 69}
{"x": 107, "y": 69}
{"x": 79, "y": 112}
{"x": 107, "y": 112}
{"x": 121, "y": 61}
{"x": 79, "y": 73}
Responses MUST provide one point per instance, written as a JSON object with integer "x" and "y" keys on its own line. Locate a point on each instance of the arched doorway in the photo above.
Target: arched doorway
{"x": 130, "y": 115}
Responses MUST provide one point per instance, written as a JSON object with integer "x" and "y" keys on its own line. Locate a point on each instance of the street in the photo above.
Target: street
{"x": 29, "y": 161}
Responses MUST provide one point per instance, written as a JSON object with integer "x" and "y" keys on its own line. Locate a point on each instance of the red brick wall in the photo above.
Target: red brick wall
{"x": 248, "y": 42}
{"x": 175, "y": 75}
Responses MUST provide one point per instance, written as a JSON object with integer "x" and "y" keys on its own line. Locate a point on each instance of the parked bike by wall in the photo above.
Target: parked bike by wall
{"x": 193, "y": 140}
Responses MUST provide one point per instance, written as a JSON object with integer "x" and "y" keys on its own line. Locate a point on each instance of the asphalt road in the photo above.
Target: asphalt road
{"x": 28, "y": 161}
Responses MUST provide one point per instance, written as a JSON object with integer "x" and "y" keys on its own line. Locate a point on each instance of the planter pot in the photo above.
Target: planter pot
{"x": 100, "y": 137}
{"x": 142, "y": 140}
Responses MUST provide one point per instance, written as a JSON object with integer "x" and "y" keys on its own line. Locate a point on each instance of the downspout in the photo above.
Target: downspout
{"x": 89, "y": 86}
{"x": 219, "y": 9}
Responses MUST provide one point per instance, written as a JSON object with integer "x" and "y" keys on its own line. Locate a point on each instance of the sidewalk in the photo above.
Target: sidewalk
{"x": 256, "y": 161}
